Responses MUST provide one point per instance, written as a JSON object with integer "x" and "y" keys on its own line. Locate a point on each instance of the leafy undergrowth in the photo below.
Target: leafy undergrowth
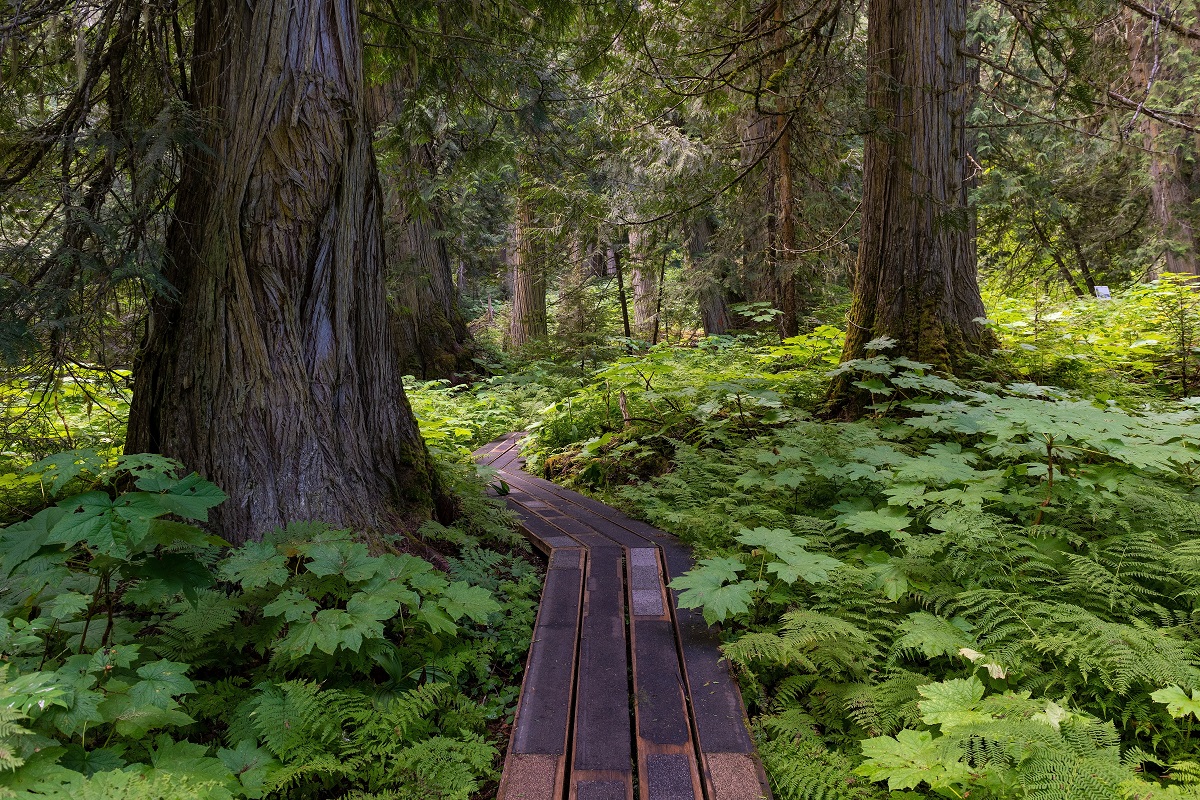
{"x": 145, "y": 658}
{"x": 984, "y": 590}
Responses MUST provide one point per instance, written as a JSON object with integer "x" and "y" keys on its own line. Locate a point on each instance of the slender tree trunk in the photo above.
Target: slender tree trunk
{"x": 785, "y": 233}
{"x": 916, "y": 278}
{"x": 1153, "y": 59}
{"x": 614, "y": 262}
{"x": 645, "y": 286}
{"x": 759, "y": 280}
{"x": 273, "y": 370}
{"x": 528, "y": 318}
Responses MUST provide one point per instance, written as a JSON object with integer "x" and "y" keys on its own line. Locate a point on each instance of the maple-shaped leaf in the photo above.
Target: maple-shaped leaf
{"x": 952, "y": 703}
{"x": 1177, "y": 701}
{"x": 61, "y": 468}
{"x": 795, "y": 562}
{"x": 460, "y": 599}
{"x": 161, "y": 682}
{"x": 910, "y": 758}
{"x": 886, "y": 519}
{"x": 255, "y": 565}
{"x": 714, "y": 587}
{"x": 291, "y": 605}
{"x": 351, "y": 560}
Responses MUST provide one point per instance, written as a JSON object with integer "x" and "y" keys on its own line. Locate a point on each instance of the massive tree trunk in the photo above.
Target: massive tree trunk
{"x": 916, "y": 278}
{"x": 527, "y": 279}
{"x": 272, "y": 370}
{"x": 644, "y": 278}
{"x": 433, "y": 337}
{"x": 711, "y": 294}
{"x": 1155, "y": 72}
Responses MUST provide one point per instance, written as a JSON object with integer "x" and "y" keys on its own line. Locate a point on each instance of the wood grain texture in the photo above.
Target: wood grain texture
{"x": 653, "y": 704}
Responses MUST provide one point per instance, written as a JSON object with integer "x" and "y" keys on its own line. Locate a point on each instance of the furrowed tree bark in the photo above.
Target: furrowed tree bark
{"x": 711, "y": 293}
{"x": 527, "y": 321}
{"x": 916, "y": 278}
{"x": 433, "y": 337}
{"x": 785, "y": 233}
{"x": 1153, "y": 62}
{"x": 272, "y": 368}
{"x": 645, "y": 285}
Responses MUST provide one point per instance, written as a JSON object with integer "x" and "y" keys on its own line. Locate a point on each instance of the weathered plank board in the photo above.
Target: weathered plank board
{"x": 536, "y": 768}
{"x": 642, "y": 699}
{"x": 601, "y": 749}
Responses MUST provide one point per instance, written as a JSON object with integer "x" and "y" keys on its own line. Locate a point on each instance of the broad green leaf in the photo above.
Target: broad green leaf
{"x": 910, "y": 759}
{"x": 795, "y": 562}
{"x": 178, "y": 573}
{"x": 1178, "y": 703}
{"x": 292, "y": 606}
{"x": 62, "y": 468}
{"x": 461, "y": 599}
{"x": 952, "y": 703}
{"x": 714, "y": 587}
{"x": 251, "y": 764}
{"x": 135, "y": 719}
{"x": 255, "y": 565}
{"x": 161, "y": 682}
{"x": 20, "y": 541}
{"x": 348, "y": 559}
{"x": 192, "y": 497}
{"x": 885, "y": 520}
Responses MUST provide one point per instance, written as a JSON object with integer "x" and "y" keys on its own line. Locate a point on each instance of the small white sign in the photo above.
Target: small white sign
{"x": 1102, "y": 293}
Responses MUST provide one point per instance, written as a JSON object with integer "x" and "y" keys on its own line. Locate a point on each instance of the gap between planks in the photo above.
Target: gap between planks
{"x": 649, "y": 702}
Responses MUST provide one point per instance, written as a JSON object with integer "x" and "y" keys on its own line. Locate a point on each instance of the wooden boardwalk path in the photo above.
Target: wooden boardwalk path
{"x": 623, "y": 690}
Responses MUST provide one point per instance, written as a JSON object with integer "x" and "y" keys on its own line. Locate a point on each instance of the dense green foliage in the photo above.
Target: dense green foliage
{"x": 983, "y": 588}
{"x": 143, "y": 656}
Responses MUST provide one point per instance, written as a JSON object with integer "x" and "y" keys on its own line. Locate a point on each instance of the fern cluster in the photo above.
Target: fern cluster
{"x": 145, "y": 659}
{"x": 1039, "y": 546}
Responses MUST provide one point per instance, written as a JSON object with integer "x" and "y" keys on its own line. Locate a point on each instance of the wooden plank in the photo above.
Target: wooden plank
{"x": 666, "y": 752}
{"x": 509, "y": 459}
{"x": 601, "y": 748}
{"x": 599, "y": 509}
{"x": 567, "y": 508}
{"x": 495, "y": 448}
{"x": 536, "y": 767}
{"x": 544, "y": 536}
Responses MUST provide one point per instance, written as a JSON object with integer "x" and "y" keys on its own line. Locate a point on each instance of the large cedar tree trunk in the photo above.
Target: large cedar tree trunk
{"x": 273, "y": 371}
{"x": 644, "y": 280}
{"x": 916, "y": 279}
{"x": 433, "y": 336}
{"x": 1172, "y": 152}
{"x": 711, "y": 294}
{"x": 527, "y": 280}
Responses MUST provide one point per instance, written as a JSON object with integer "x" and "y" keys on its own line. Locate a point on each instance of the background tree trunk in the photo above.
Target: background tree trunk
{"x": 528, "y": 283}
{"x": 711, "y": 294}
{"x": 273, "y": 369}
{"x": 1171, "y": 195}
{"x": 916, "y": 278}
{"x": 433, "y": 337}
{"x": 644, "y": 279}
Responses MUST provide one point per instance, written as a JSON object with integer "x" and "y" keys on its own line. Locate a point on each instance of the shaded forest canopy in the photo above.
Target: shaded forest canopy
{"x": 885, "y": 307}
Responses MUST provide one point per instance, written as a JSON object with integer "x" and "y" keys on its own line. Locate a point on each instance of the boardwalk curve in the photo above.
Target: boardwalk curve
{"x": 623, "y": 691}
